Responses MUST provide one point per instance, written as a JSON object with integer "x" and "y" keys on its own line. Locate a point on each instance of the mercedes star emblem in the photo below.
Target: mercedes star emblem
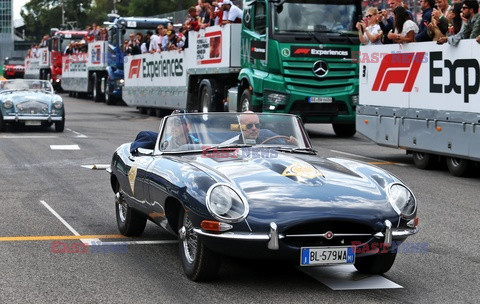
{"x": 320, "y": 68}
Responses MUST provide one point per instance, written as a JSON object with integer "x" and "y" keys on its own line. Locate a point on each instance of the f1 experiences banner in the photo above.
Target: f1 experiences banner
{"x": 421, "y": 75}
{"x": 159, "y": 69}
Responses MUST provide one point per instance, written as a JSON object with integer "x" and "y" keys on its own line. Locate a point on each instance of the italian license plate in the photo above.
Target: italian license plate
{"x": 320, "y": 99}
{"x": 33, "y": 123}
{"x": 326, "y": 255}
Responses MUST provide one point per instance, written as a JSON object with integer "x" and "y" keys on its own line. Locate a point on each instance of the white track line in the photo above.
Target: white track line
{"x": 27, "y": 136}
{"x": 346, "y": 277}
{"x": 79, "y": 135}
{"x": 64, "y": 147}
{"x": 64, "y": 222}
{"x": 367, "y": 158}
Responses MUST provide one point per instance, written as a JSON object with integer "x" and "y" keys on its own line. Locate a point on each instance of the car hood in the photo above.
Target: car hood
{"x": 293, "y": 185}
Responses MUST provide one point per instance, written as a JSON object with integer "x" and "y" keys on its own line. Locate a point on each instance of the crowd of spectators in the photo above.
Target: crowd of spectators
{"x": 94, "y": 33}
{"x": 440, "y": 22}
{"x": 206, "y": 13}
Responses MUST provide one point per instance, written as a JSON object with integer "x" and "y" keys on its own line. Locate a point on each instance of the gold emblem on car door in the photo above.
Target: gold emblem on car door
{"x": 132, "y": 175}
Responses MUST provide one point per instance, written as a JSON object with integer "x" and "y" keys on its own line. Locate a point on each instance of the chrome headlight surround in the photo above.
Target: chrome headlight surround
{"x": 402, "y": 200}
{"x": 226, "y": 204}
{"x": 58, "y": 104}
{"x": 8, "y": 104}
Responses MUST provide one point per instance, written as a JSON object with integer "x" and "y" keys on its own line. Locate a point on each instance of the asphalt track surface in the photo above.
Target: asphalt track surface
{"x": 54, "y": 193}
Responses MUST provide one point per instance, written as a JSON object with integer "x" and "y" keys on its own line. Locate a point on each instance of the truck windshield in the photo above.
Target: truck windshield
{"x": 323, "y": 16}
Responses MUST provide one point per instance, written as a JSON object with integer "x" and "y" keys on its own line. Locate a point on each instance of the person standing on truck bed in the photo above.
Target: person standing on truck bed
{"x": 405, "y": 28}
{"x": 470, "y": 13}
{"x": 156, "y": 40}
{"x": 146, "y": 42}
{"x": 231, "y": 13}
{"x": 427, "y": 9}
{"x": 371, "y": 34}
{"x": 133, "y": 47}
{"x": 387, "y": 23}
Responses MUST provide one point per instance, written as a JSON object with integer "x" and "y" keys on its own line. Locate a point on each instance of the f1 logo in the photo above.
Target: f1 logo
{"x": 135, "y": 68}
{"x": 302, "y": 51}
{"x": 398, "y": 68}
{"x": 66, "y": 67}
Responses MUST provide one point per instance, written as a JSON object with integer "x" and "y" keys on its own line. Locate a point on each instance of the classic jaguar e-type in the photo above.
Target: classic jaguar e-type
{"x": 31, "y": 103}
{"x": 250, "y": 185}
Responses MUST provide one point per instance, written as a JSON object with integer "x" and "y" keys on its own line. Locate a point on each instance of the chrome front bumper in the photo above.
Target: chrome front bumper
{"x": 273, "y": 237}
{"x": 32, "y": 118}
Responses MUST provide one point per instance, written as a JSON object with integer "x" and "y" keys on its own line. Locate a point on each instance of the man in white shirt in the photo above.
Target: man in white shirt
{"x": 156, "y": 40}
{"x": 231, "y": 13}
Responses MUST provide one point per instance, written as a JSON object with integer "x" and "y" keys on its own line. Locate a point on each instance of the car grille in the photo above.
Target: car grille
{"x": 307, "y": 235}
{"x": 32, "y": 107}
{"x": 340, "y": 79}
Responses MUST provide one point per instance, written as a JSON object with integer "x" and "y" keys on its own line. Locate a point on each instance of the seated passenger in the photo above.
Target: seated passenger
{"x": 177, "y": 134}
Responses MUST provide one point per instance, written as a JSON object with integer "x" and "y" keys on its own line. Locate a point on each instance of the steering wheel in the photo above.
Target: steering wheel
{"x": 277, "y": 136}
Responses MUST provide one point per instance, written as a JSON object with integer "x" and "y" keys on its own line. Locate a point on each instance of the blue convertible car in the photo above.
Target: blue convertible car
{"x": 250, "y": 185}
{"x": 30, "y": 103}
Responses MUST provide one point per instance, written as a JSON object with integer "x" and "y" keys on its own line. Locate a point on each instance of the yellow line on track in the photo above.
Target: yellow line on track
{"x": 59, "y": 237}
{"x": 382, "y": 163}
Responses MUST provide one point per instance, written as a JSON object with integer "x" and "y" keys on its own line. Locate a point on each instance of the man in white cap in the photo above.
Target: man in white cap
{"x": 231, "y": 13}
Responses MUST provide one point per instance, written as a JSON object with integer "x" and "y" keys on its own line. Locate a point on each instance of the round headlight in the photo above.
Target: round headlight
{"x": 226, "y": 204}
{"x": 58, "y": 104}
{"x": 402, "y": 200}
{"x": 7, "y": 104}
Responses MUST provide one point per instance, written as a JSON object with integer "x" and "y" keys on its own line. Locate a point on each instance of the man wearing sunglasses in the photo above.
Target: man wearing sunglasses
{"x": 470, "y": 27}
{"x": 254, "y": 134}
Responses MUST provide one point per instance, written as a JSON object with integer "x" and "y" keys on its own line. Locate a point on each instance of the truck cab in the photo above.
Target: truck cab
{"x": 119, "y": 31}
{"x": 57, "y": 45}
{"x": 296, "y": 57}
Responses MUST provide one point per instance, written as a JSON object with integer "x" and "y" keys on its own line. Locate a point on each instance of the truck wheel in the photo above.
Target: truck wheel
{"x": 208, "y": 96}
{"x": 375, "y": 264}
{"x": 424, "y": 160}
{"x": 199, "y": 263}
{"x": 344, "y": 130}
{"x": 245, "y": 101}
{"x": 458, "y": 166}
{"x": 109, "y": 99}
{"x": 96, "y": 91}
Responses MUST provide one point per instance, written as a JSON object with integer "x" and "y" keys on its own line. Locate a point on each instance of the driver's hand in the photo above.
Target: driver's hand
{"x": 292, "y": 140}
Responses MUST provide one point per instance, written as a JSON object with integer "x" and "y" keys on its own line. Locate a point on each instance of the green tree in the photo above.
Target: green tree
{"x": 42, "y": 15}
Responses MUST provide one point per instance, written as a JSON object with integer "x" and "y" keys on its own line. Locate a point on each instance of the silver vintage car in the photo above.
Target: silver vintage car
{"x": 30, "y": 103}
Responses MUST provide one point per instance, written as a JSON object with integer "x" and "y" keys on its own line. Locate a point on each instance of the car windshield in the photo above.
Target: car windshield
{"x": 25, "y": 85}
{"x": 200, "y": 131}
